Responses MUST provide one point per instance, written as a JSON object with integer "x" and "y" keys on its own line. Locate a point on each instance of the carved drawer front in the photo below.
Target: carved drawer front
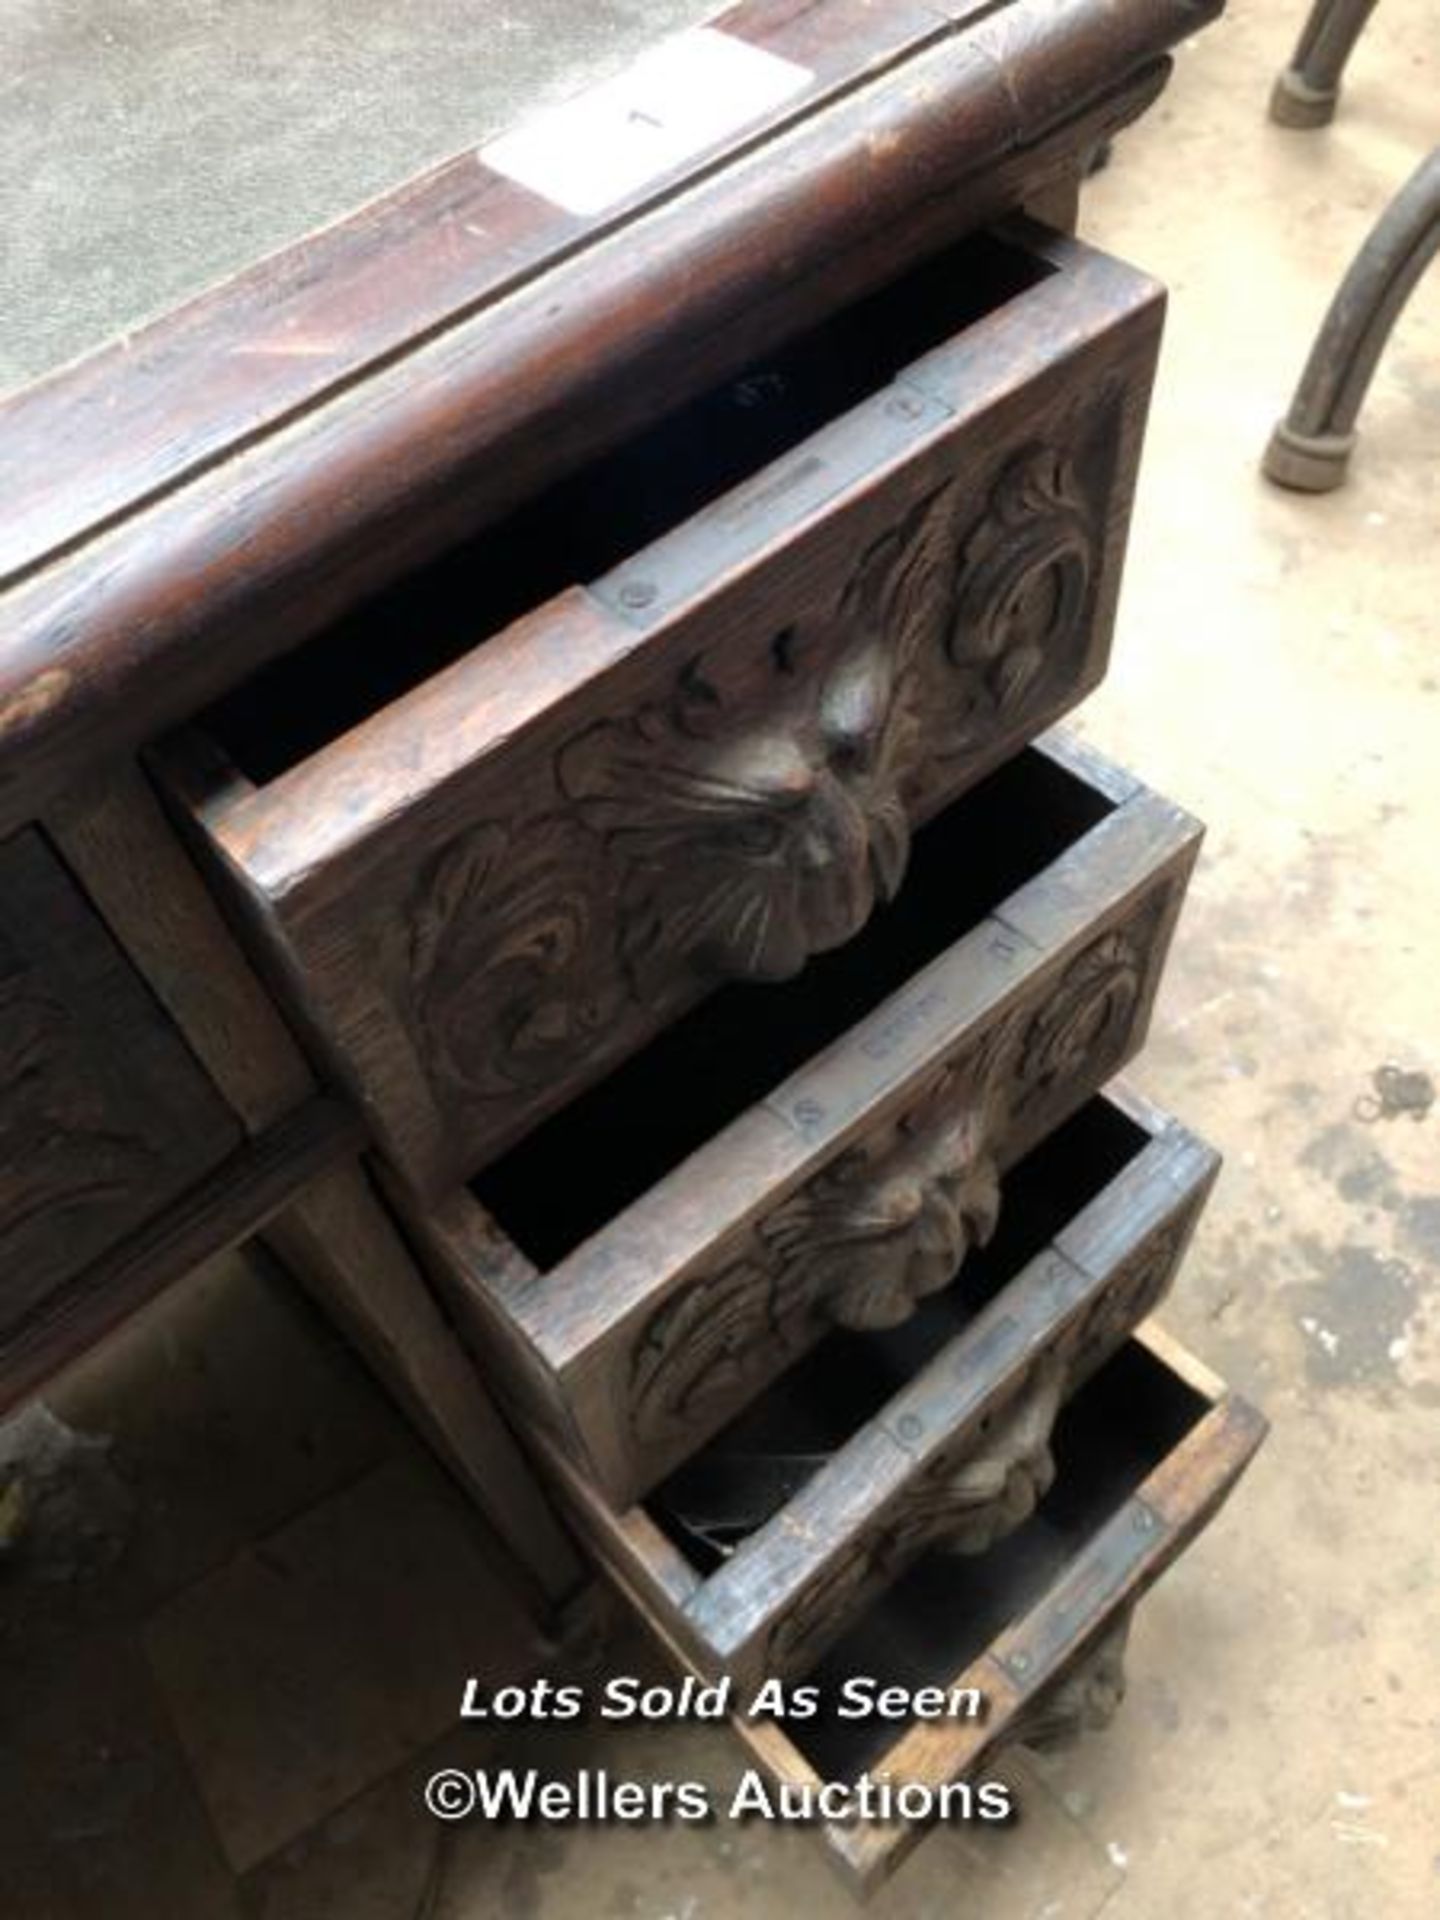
{"x": 1147, "y": 1453}
{"x": 880, "y": 1447}
{"x": 676, "y": 723}
{"x": 633, "y": 1298}
{"x": 104, "y": 1114}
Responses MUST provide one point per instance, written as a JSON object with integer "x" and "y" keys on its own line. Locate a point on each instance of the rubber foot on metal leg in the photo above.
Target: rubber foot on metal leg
{"x": 1295, "y": 103}
{"x": 1310, "y": 463}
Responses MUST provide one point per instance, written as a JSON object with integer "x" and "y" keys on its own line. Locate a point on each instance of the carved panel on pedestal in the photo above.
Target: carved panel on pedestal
{"x": 891, "y": 1219}
{"x": 857, "y": 1246}
{"x": 104, "y": 1114}
{"x": 756, "y": 810}
{"x": 57, "y": 1151}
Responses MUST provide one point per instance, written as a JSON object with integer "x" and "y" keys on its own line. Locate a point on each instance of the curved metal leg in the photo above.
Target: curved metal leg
{"x": 1311, "y": 447}
{"x": 1306, "y": 91}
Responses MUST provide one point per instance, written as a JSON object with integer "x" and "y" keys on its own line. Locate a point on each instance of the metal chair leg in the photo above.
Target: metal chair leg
{"x": 1311, "y": 447}
{"x": 1306, "y": 91}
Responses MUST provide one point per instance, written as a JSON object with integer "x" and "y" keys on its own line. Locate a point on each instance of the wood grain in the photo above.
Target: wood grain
{"x": 105, "y": 1117}
{"x": 235, "y": 1199}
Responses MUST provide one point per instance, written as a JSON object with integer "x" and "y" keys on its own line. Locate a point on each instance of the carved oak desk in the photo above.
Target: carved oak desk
{"x": 528, "y": 780}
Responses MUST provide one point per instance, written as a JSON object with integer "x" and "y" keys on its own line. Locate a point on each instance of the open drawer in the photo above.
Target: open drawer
{"x": 878, "y": 1447}
{"x": 1029, "y": 1637}
{"x": 643, "y": 1264}
{"x": 675, "y": 721}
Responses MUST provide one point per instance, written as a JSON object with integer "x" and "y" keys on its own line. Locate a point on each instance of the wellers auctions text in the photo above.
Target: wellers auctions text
{"x": 593, "y": 1796}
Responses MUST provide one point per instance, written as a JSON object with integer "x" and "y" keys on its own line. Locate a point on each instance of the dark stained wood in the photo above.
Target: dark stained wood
{"x": 105, "y": 1117}
{"x": 124, "y": 852}
{"x": 955, "y": 1460}
{"x": 233, "y": 1200}
{"x": 342, "y": 1245}
{"x": 260, "y": 518}
{"x": 318, "y": 1209}
{"x": 510, "y": 877}
{"x": 489, "y": 869}
{"x": 1033, "y": 1670}
{"x": 667, "y": 1318}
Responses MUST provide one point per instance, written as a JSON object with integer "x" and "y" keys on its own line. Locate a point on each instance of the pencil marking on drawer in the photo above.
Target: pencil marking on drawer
{"x": 764, "y": 494}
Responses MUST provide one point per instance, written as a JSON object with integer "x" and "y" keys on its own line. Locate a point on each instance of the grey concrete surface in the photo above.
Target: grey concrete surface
{"x": 148, "y": 150}
{"x": 1279, "y": 1752}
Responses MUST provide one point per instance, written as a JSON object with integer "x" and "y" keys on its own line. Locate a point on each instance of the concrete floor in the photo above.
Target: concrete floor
{"x": 210, "y": 1745}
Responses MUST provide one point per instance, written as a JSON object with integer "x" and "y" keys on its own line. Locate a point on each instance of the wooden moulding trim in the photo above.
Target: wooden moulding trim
{"x": 197, "y": 576}
{"x": 763, "y": 1154}
{"x": 239, "y": 1197}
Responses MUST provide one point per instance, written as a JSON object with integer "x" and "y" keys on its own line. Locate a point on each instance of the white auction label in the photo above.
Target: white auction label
{"x": 680, "y": 97}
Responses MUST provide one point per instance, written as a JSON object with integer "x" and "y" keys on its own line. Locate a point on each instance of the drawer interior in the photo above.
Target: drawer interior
{"x": 739, "y": 1479}
{"x": 577, "y": 1170}
{"x": 940, "y": 1616}
{"x": 584, "y": 526}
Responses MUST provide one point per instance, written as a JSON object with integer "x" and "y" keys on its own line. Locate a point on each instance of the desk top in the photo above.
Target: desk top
{"x": 198, "y": 495}
{"x": 148, "y": 151}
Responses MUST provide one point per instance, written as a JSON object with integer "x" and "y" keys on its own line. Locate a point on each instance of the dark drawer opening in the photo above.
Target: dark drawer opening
{"x": 578, "y": 1170}
{"x": 944, "y": 1613}
{"x": 742, "y": 1477}
{"x": 582, "y": 528}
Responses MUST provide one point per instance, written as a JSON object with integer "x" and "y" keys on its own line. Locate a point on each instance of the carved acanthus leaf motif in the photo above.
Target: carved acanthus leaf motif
{"x": 698, "y": 1351}
{"x": 500, "y": 958}
{"x": 903, "y": 588}
{"x": 1085, "y": 1019}
{"x": 821, "y": 1613}
{"x": 55, "y": 1153}
{"x": 1025, "y": 576}
{"x": 1132, "y": 1294}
